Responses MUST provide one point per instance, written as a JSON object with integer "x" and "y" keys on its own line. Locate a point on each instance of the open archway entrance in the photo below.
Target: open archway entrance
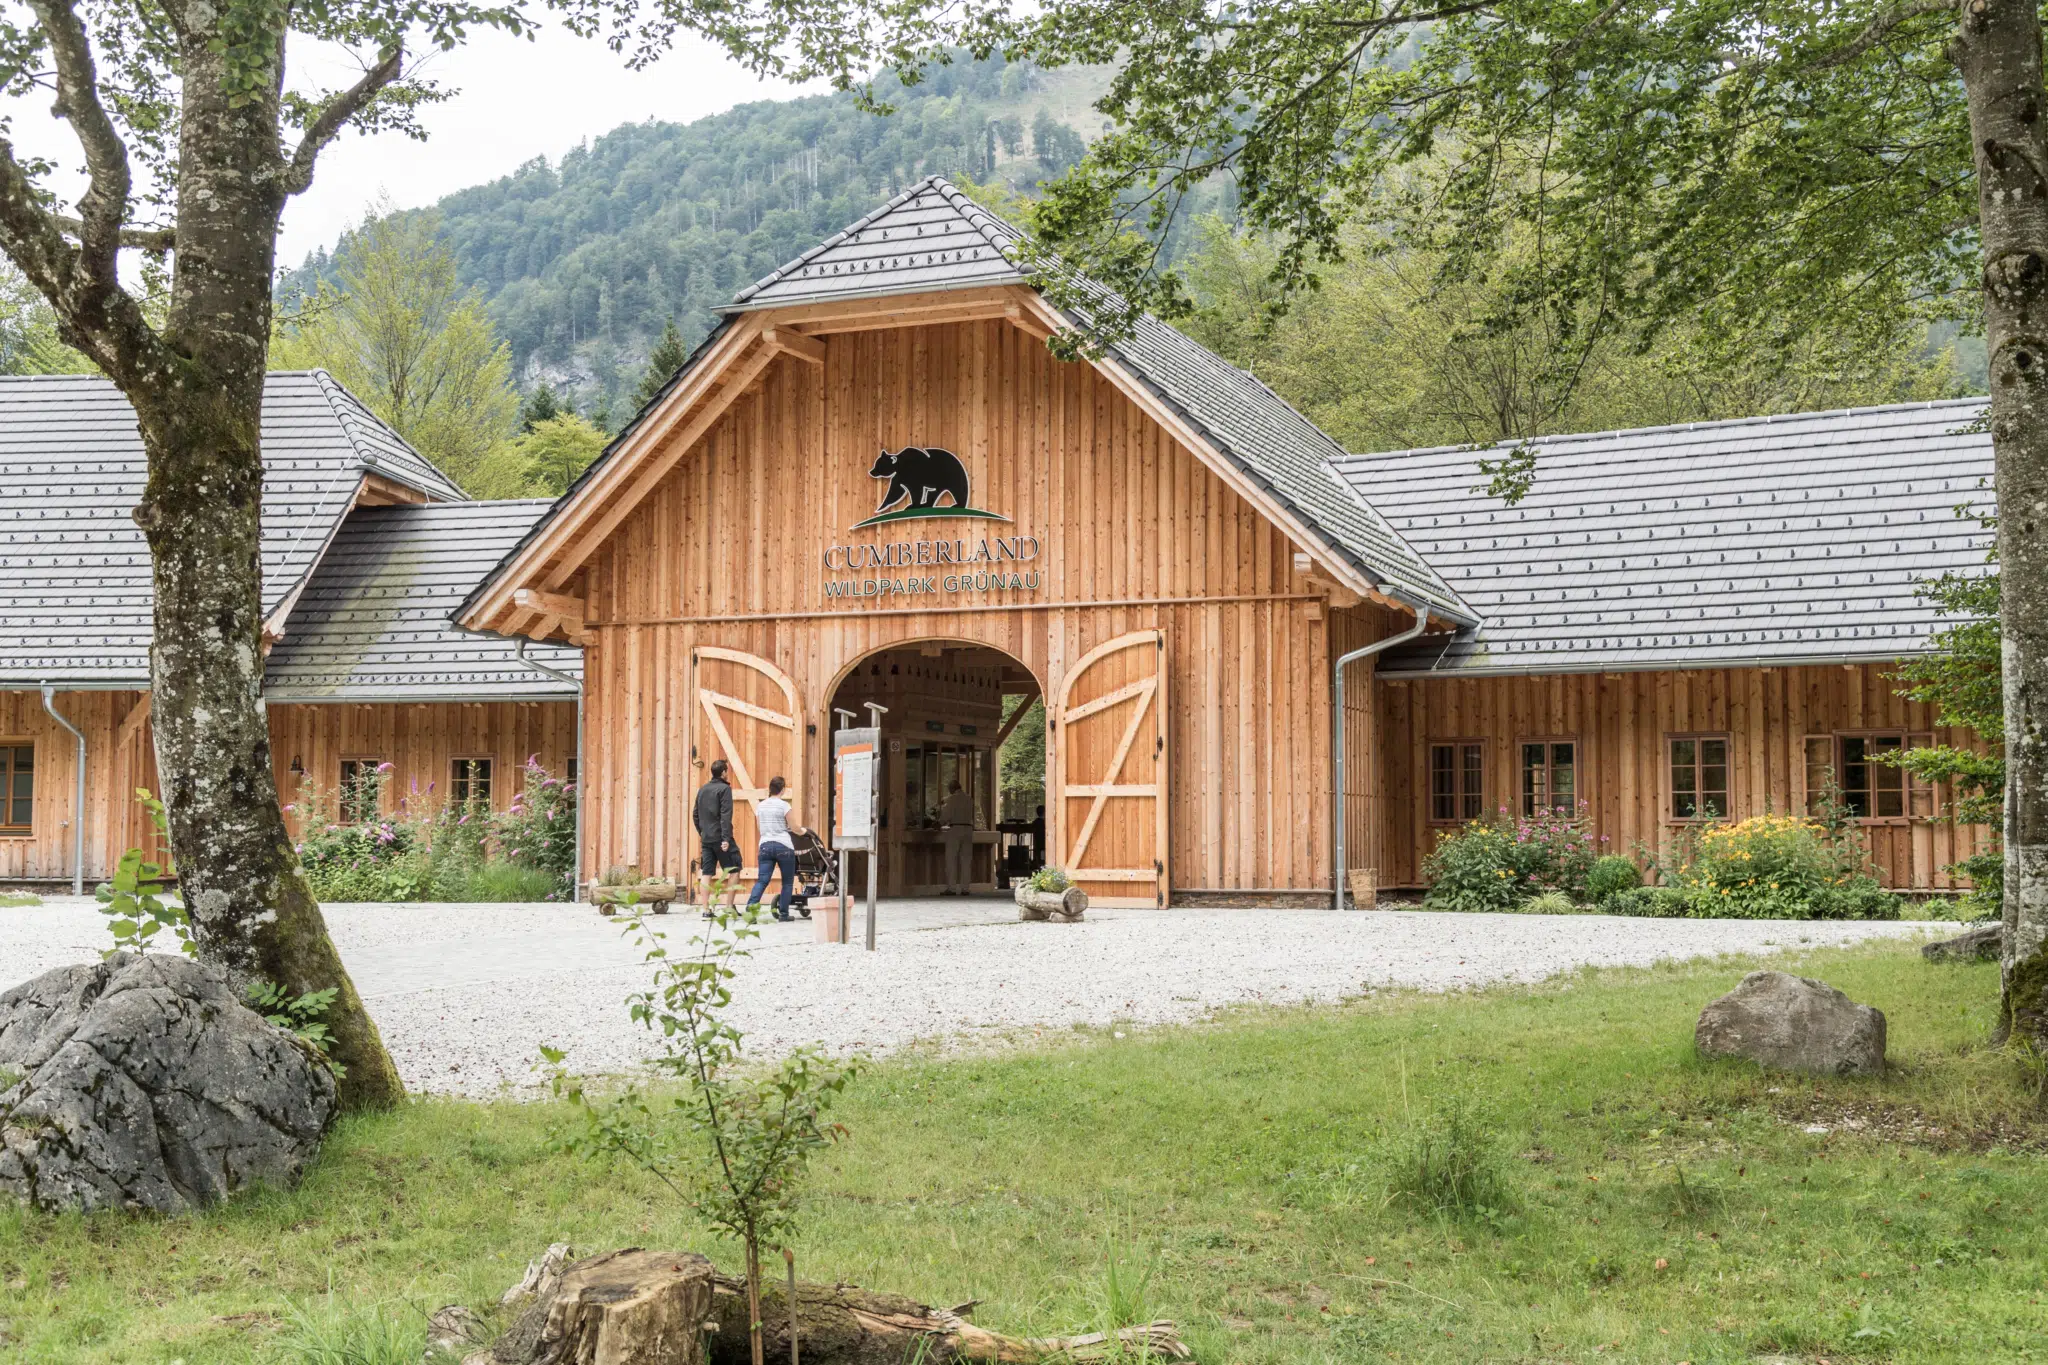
{"x": 963, "y": 767}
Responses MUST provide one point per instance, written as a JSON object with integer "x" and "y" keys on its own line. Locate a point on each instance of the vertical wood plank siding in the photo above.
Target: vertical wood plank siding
{"x": 1621, "y": 722}
{"x": 419, "y": 740}
{"x": 1122, "y": 512}
{"x": 113, "y": 821}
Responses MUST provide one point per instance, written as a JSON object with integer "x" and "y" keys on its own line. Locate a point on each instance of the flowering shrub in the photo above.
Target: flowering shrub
{"x": 539, "y": 831}
{"x": 429, "y": 850}
{"x": 1768, "y": 867}
{"x": 1498, "y": 864}
{"x": 1611, "y": 875}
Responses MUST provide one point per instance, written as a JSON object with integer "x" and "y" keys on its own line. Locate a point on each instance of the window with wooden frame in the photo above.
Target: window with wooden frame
{"x": 1871, "y": 785}
{"x": 17, "y": 788}
{"x": 360, "y": 794}
{"x": 1457, "y": 781}
{"x": 1550, "y": 776}
{"x": 1698, "y": 769}
{"x": 469, "y": 782}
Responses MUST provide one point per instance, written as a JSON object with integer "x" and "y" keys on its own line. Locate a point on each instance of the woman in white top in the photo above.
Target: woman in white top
{"x": 778, "y": 850}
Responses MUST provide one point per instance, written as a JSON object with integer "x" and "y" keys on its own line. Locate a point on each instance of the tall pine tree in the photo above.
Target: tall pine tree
{"x": 668, "y": 357}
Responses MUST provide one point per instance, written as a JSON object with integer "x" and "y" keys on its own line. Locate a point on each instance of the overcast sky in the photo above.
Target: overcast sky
{"x": 517, "y": 100}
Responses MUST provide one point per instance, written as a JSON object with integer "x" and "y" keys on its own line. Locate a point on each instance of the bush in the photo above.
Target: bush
{"x": 441, "y": 852}
{"x": 1549, "y": 903}
{"x": 1610, "y": 876}
{"x": 1450, "y": 1160}
{"x": 1048, "y": 879}
{"x": 1776, "y": 867}
{"x": 1648, "y": 902}
{"x": 1498, "y": 864}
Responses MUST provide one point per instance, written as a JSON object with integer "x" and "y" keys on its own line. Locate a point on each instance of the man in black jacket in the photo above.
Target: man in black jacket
{"x": 720, "y": 851}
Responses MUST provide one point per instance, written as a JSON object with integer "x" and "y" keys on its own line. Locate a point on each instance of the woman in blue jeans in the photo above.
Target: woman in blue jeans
{"x": 778, "y": 850}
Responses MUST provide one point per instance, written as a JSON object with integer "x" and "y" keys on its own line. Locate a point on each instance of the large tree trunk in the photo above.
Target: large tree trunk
{"x": 200, "y": 415}
{"x": 1998, "y": 51}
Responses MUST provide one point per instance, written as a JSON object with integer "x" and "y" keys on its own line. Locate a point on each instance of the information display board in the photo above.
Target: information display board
{"x": 856, "y": 785}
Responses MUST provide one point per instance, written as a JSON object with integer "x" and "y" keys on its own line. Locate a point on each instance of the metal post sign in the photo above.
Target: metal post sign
{"x": 856, "y": 787}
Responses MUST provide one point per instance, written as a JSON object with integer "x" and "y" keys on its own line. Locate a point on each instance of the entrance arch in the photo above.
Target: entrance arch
{"x": 953, "y": 704}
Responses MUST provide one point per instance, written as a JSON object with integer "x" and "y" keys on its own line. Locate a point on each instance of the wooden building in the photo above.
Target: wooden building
{"x": 874, "y": 483}
{"x": 366, "y": 550}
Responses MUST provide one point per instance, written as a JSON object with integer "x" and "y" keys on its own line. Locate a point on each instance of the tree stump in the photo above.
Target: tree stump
{"x": 843, "y": 1324}
{"x": 1064, "y": 906}
{"x": 630, "y": 1307}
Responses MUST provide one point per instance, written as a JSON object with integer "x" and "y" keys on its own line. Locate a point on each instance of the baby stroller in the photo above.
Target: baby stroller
{"x": 817, "y": 872}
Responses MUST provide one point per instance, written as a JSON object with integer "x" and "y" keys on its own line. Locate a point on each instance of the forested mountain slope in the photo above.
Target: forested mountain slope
{"x": 582, "y": 261}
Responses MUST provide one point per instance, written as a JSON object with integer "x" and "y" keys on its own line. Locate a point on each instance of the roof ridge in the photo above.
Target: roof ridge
{"x": 354, "y": 415}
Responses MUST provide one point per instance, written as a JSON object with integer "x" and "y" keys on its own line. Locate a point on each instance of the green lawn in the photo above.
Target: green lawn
{"x": 1663, "y": 1210}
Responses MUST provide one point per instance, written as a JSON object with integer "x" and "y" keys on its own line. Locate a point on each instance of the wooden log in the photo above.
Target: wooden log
{"x": 630, "y": 1307}
{"x": 1068, "y": 905}
{"x": 843, "y": 1324}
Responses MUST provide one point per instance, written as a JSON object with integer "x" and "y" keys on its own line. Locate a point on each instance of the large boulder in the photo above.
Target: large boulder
{"x": 1981, "y": 944}
{"x": 144, "y": 1082}
{"x": 1793, "y": 1023}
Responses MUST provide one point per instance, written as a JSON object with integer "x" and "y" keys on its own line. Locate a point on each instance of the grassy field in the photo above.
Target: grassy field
{"x": 1653, "y": 1208}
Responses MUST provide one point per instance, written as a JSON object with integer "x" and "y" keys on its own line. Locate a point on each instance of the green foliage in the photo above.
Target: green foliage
{"x": 1022, "y": 759}
{"x": 15, "y": 900}
{"x": 1498, "y": 864}
{"x": 1126, "y": 1292}
{"x": 135, "y": 904}
{"x": 1387, "y": 354}
{"x": 663, "y": 361}
{"x": 584, "y": 259}
{"x": 1766, "y": 867}
{"x": 28, "y": 331}
{"x": 1751, "y": 171}
{"x": 1549, "y": 903}
{"x": 332, "y": 1331}
{"x": 301, "y": 1016}
{"x": 1449, "y": 1159}
{"x": 732, "y": 1141}
{"x": 1648, "y": 902}
{"x": 401, "y": 333}
{"x": 1048, "y": 878}
{"x": 1245, "y": 1150}
{"x": 1610, "y": 875}
{"x": 428, "y": 849}
{"x": 1961, "y": 678}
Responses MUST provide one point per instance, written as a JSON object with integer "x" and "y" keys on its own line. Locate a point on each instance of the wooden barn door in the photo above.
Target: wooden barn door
{"x": 1109, "y": 759}
{"x": 747, "y": 713}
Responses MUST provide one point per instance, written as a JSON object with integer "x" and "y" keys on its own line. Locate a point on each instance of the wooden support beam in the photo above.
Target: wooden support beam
{"x": 806, "y": 349}
{"x": 1017, "y": 715}
{"x": 132, "y": 722}
{"x": 1026, "y": 322}
{"x": 570, "y": 611}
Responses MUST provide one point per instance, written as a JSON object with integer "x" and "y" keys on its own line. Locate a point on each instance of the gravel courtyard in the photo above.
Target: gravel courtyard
{"x": 466, "y": 993}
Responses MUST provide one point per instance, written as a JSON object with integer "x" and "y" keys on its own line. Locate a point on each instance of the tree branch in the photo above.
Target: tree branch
{"x": 328, "y": 124}
{"x": 104, "y": 322}
{"x": 103, "y": 208}
{"x": 140, "y": 238}
{"x": 1878, "y": 29}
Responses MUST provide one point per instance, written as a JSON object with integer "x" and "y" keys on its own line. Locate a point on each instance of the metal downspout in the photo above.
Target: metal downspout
{"x": 1337, "y": 707}
{"x": 519, "y": 652}
{"x": 78, "y": 801}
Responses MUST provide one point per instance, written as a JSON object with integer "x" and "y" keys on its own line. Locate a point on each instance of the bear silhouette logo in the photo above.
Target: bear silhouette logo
{"x": 924, "y": 481}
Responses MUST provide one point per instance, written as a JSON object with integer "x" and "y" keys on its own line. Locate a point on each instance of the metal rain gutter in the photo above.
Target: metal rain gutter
{"x": 1337, "y": 721}
{"x": 78, "y": 801}
{"x": 519, "y": 653}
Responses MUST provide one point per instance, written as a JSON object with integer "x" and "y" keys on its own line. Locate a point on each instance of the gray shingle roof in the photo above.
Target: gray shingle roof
{"x": 931, "y": 236}
{"x": 373, "y": 624}
{"x": 934, "y": 237}
{"x": 74, "y": 569}
{"x": 1765, "y": 540}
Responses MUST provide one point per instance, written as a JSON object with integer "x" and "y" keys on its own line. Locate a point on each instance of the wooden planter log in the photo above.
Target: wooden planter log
{"x": 1065, "y": 906}
{"x": 629, "y": 1307}
{"x": 653, "y": 896}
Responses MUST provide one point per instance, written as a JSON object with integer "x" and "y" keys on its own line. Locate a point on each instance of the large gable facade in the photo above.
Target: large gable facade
{"x": 874, "y": 483}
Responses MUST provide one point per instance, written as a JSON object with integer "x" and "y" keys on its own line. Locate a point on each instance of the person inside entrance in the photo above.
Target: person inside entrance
{"x": 956, "y": 823}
